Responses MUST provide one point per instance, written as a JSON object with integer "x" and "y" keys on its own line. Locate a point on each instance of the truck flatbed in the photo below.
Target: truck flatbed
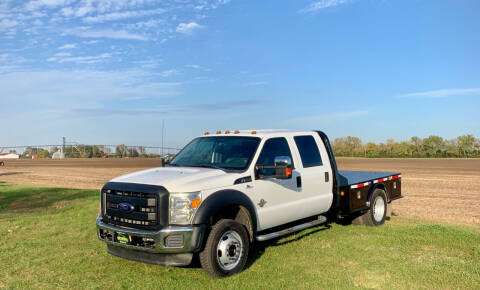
{"x": 351, "y": 177}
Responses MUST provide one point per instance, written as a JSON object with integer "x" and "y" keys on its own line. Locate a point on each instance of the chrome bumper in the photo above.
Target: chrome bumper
{"x": 192, "y": 237}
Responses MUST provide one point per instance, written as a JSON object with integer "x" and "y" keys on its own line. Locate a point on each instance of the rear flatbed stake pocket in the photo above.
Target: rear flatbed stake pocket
{"x": 224, "y": 191}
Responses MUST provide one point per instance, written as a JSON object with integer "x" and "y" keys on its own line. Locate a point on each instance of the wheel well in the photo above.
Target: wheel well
{"x": 237, "y": 213}
{"x": 379, "y": 186}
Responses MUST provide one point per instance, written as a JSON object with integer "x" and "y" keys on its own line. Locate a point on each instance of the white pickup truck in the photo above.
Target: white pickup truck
{"x": 224, "y": 191}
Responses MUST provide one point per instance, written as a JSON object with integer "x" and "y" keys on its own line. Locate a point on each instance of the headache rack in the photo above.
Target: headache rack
{"x": 134, "y": 205}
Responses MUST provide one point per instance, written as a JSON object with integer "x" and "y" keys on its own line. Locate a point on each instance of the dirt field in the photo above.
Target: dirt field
{"x": 446, "y": 190}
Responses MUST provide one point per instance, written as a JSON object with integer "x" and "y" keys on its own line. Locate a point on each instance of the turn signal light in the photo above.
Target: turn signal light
{"x": 195, "y": 203}
{"x": 288, "y": 171}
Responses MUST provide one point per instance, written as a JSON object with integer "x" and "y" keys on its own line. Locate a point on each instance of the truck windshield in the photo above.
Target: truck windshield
{"x": 234, "y": 153}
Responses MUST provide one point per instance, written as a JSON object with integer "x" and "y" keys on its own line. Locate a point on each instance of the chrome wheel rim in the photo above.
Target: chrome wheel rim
{"x": 229, "y": 250}
{"x": 378, "y": 209}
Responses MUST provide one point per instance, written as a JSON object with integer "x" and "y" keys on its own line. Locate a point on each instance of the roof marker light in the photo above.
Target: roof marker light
{"x": 254, "y": 132}
{"x": 227, "y": 131}
{"x": 219, "y": 132}
{"x": 236, "y": 132}
{"x": 206, "y": 133}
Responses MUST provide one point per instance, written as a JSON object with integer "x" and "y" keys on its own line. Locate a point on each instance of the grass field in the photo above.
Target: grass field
{"x": 48, "y": 239}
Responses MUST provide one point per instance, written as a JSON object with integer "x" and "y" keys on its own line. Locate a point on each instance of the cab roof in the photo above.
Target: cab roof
{"x": 257, "y": 133}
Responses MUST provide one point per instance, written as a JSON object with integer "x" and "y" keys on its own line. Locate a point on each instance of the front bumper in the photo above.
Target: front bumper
{"x": 158, "y": 247}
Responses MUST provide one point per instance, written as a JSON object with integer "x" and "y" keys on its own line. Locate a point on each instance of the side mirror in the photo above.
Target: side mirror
{"x": 283, "y": 168}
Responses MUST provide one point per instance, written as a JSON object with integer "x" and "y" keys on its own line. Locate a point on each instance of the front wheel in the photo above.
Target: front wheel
{"x": 226, "y": 249}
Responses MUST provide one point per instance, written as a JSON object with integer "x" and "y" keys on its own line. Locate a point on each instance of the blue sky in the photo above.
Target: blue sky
{"x": 104, "y": 71}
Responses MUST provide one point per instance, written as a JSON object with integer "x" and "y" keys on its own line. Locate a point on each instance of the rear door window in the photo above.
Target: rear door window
{"x": 308, "y": 149}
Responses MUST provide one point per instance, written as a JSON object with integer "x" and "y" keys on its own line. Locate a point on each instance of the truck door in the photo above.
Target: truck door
{"x": 277, "y": 200}
{"x": 316, "y": 177}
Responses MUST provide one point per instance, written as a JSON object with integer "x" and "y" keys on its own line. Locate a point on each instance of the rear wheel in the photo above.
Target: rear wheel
{"x": 377, "y": 213}
{"x": 226, "y": 249}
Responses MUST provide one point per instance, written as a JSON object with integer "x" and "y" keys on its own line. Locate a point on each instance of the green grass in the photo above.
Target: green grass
{"x": 48, "y": 239}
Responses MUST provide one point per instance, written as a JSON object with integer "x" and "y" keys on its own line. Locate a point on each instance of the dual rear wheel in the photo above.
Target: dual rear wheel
{"x": 377, "y": 213}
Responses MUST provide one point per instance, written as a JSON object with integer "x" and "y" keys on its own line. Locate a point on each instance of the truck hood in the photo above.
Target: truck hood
{"x": 181, "y": 179}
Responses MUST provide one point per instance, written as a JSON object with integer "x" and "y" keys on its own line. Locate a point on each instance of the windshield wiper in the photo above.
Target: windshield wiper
{"x": 208, "y": 166}
{"x": 172, "y": 164}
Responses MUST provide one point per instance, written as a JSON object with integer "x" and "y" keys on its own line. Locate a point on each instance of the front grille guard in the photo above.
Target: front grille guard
{"x": 150, "y": 204}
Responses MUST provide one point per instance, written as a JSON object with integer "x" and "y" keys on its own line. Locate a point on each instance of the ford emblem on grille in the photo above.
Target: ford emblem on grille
{"x": 125, "y": 207}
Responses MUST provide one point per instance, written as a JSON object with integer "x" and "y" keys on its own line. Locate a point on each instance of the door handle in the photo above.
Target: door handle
{"x": 299, "y": 181}
{"x": 327, "y": 177}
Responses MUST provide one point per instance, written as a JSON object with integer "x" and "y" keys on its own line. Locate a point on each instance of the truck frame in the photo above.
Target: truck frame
{"x": 224, "y": 191}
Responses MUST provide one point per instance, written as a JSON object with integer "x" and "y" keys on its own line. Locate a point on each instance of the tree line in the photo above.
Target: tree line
{"x": 88, "y": 151}
{"x": 466, "y": 146}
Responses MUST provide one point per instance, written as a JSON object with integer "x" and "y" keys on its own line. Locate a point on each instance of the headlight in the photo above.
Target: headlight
{"x": 183, "y": 207}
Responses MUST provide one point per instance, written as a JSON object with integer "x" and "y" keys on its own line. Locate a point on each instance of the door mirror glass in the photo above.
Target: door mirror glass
{"x": 282, "y": 168}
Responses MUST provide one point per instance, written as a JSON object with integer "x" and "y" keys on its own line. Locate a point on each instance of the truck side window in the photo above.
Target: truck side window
{"x": 308, "y": 149}
{"x": 272, "y": 148}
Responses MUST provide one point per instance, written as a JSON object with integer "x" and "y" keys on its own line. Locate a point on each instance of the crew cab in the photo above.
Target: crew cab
{"x": 224, "y": 191}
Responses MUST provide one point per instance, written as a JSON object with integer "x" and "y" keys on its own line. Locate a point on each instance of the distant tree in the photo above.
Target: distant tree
{"x": 13, "y": 151}
{"x": 434, "y": 146}
{"x": 132, "y": 152}
{"x": 417, "y": 146}
{"x": 402, "y": 149}
{"x": 467, "y": 145}
{"x": 371, "y": 150}
{"x": 121, "y": 150}
{"x": 353, "y": 146}
{"x": 42, "y": 153}
{"x": 142, "y": 151}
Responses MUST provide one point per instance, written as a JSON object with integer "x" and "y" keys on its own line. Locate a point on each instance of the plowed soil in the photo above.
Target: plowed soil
{"x": 446, "y": 190}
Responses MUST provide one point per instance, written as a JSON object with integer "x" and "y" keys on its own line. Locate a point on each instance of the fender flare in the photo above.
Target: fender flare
{"x": 378, "y": 186}
{"x": 221, "y": 199}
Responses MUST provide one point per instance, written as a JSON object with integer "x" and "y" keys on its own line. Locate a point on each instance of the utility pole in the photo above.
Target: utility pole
{"x": 163, "y": 128}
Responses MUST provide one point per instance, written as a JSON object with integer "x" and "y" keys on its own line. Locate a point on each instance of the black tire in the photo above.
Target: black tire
{"x": 377, "y": 202}
{"x": 211, "y": 256}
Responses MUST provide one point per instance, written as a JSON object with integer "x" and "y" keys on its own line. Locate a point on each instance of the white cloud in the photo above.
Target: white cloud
{"x": 37, "y": 4}
{"x": 319, "y": 5}
{"x": 196, "y": 66}
{"x": 64, "y": 90}
{"x": 254, "y": 84}
{"x": 107, "y": 33}
{"x": 61, "y": 58}
{"x": 444, "y": 93}
{"x": 68, "y": 46}
{"x": 7, "y": 23}
{"x": 122, "y": 15}
{"x": 90, "y": 41}
{"x": 63, "y": 54}
{"x": 168, "y": 73}
{"x": 188, "y": 28}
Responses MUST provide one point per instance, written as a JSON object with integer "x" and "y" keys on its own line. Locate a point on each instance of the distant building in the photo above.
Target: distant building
{"x": 9, "y": 156}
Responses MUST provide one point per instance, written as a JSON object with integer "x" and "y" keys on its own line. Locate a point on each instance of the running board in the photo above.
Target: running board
{"x": 321, "y": 219}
